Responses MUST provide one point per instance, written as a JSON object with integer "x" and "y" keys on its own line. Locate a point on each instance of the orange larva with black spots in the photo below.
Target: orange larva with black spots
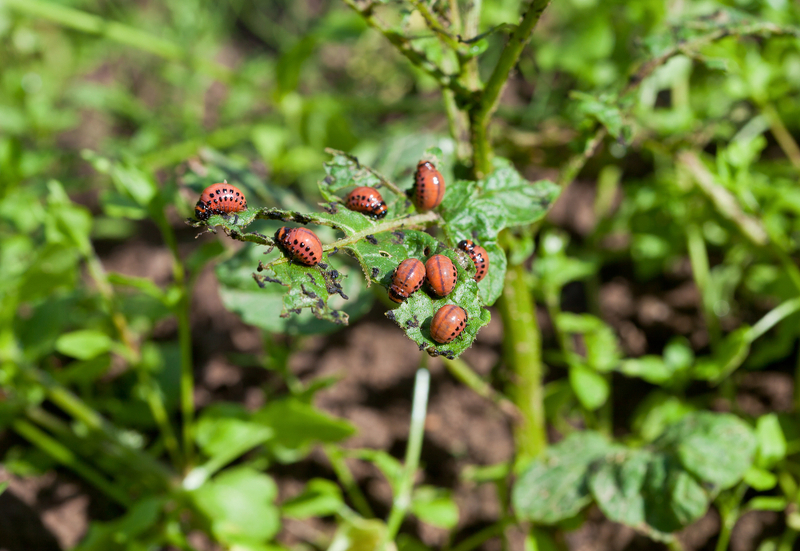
{"x": 478, "y": 256}
{"x": 448, "y": 323}
{"x": 428, "y": 186}
{"x": 219, "y": 199}
{"x": 303, "y": 244}
{"x": 441, "y": 274}
{"x": 407, "y": 279}
{"x": 366, "y": 200}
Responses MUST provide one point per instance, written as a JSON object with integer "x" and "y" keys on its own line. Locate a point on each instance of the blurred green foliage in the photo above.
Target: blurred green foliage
{"x": 681, "y": 117}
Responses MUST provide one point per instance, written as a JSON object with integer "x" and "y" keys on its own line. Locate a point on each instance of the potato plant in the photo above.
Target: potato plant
{"x": 626, "y": 399}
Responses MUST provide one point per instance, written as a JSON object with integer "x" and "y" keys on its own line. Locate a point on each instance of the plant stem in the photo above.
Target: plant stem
{"x": 464, "y": 373}
{"x": 66, "y": 457}
{"x": 480, "y": 115}
{"x": 478, "y": 538}
{"x": 698, "y": 257}
{"x": 181, "y": 311}
{"x": 434, "y": 25}
{"x": 117, "y": 32}
{"x": 523, "y": 351}
{"x": 782, "y": 134}
{"x": 336, "y": 457}
{"x": 426, "y": 219}
{"x": 405, "y": 47}
{"x": 154, "y": 400}
{"x": 402, "y": 500}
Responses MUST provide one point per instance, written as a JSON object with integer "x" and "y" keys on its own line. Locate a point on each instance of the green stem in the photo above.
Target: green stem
{"x": 480, "y": 114}
{"x": 117, "y": 32}
{"x": 698, "y": 257}
{"x": 402, "y": 501}
{"x": 464, "y": 373}
{"x": 774, "y": 316}
{"x": 154, "y": 400}
{"x": 434, "y": 25}
{"x": 578, "y": 161}
{"x": 479, "y": 538}
{"x": 66, "y": 457}
{"x": 782, "y": 134}
{"x": 728, "y": 506}
{"x": 181, "y": 311}
{"x": 426, "y": 219}
{"x": 523, "y": 349}
{"x": 405, "y": 47}
{"x": 336, "y": 457}
{"x": 457, "y": 124}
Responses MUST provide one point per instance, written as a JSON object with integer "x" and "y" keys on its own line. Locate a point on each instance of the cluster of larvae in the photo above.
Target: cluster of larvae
{"x": 304, "y": 246}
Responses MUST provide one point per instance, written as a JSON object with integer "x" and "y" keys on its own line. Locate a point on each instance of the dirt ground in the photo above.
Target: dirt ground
{"x": 376, "y": 364}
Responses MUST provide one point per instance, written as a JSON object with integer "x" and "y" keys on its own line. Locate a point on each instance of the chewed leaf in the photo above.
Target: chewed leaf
{"x": 309, "y": 287}
{"x": 414, "y": 316}
{"x": 470, "y": 210}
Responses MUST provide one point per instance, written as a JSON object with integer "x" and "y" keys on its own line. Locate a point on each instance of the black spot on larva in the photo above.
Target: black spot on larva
{"x": 371, "y": 239}
{"x": 295, "y": 241}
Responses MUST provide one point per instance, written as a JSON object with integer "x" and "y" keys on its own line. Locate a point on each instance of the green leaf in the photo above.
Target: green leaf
{"x": 239, "y": 505}
{"x": 771, "y": 440}
{"x": 673, "y": 498}
{"x": 84, "y": 344}
{"x": 480, "y": 210}
{"x": 129, "y": 180}
{"x": 767, "y": 503}
{"x": 617, "y": 483}
{"x": 475, "y": 210}
{"x": 435, "y": 506}
{"x": 731, "y": 354}
{"x": 125, "y": 531}
{"x": 652, "y": 369}
{"x": 591, "y": 388}
{"x": 319, "y": 498}
{"x": 358, "y": 534}
{"x": 261, "y": 306}
{"x": 67, "y": 221}
{"x": 297, "y": 424}
{"x": 760, "y": 479}
{"x": 522, "y": 201}
{"x": 554, "y": 487}
{"x": 391, "y": 467}
{"x": 715, "y": 447}
{"x": 656, "y": 413}
{"x": 605, "y": 110}
{"x": 224, "y": 432}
